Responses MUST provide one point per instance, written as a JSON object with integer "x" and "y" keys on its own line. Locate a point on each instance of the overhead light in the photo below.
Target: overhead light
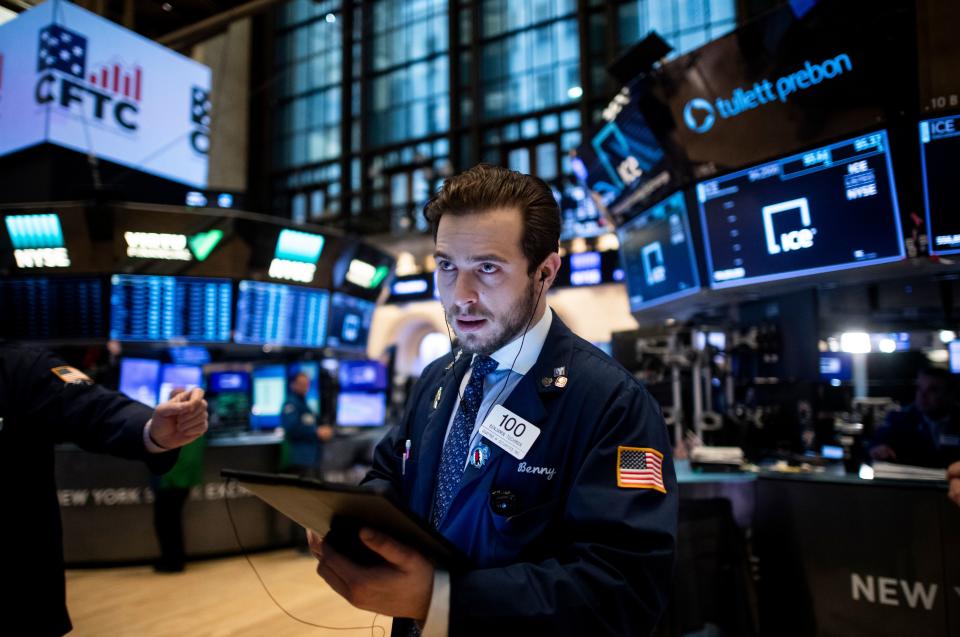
{"x": 574, "y": 92}
{"x": 365, "y": 274}
{"x": 887, "y": 345}
{"x": 166, "y": 6}
{"x": 38, "y": 241}
{"x": 855, "y": 343}
{"x": 947, "y": 335}
{"x": 296, "y": 256}
{"x": 331, "y": 18}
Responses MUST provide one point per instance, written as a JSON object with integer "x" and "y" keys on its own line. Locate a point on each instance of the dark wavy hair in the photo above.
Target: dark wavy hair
{"x": 484, "y": 188}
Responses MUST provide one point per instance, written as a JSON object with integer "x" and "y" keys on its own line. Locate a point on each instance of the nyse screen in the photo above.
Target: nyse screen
{"x": 656, "y": 250}
{"x": 827, "y": 209}
{"x": 281, "y": 314}
{"x": 350, "y": 322}
{"x": 159, "y": 308}
{"x": 47, "y": 308}
{"x": 940, "y": 156}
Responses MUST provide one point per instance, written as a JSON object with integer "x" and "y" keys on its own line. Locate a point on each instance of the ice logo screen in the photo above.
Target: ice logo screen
{"x": 653, "y": 264}
{"x": 798, "y": 239}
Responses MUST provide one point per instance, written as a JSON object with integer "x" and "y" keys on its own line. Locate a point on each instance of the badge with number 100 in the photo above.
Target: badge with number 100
{"x": 509, "y": 431}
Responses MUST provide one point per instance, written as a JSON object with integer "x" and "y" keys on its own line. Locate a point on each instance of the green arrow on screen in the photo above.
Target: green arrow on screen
{"x": 379, "y": 276}
{"x": 203, "y": 243}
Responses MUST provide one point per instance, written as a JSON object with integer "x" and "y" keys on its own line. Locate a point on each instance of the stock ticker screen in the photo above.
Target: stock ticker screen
{"x": 656, "y": 249}
{"x": 940, "y": 156}
{"x": 160, "y": 308}
{"x": 826, "y": 209}
{"x": 278, "y": 314}
{"x": 46, "y": 308}
{"x": 350, "y": 322}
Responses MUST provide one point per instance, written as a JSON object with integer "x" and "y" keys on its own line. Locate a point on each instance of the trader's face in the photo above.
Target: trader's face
{"x": 300, "y": 384}
{"x": 933, "y": 396}
{"x": 487, "y": 295}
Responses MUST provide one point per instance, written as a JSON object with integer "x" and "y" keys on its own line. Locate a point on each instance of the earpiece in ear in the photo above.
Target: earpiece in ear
{"x": 543, "y": 275}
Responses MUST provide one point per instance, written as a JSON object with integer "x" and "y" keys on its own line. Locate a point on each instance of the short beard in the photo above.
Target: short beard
{"x": 514, "y": 324}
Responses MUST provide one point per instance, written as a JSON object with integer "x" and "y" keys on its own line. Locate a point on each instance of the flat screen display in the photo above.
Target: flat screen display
{"x": 281, "y": 314}
{"x": 160, "y": 308}
{"x": 350, "y": 322}
{"x": 269, "y": 394}
{"x": 52, "y": 309}
{"x": 836, "y": 366}
{"x": 954, "y": 351}
{"x": 656, "y": 249}
{"x": 623, "y": 164}
{"x": 363, "y": 376}
{"x": 184, "y": 377}
{"x": 939, "y": 158}
{"x": 228, "y": 382}
{"x": 190, "y": 355}
{"x": 228, "y": 394}
{"x": 140, "y": 379}
{"x": 361, "y": 409}
{"x": 830, "y": 208}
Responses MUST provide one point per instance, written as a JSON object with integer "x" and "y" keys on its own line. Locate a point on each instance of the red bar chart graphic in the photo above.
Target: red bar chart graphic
{"x": 116, "y": 79}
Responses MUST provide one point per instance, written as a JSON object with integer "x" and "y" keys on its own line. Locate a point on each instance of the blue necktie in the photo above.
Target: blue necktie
{"x": 458, "y": 440}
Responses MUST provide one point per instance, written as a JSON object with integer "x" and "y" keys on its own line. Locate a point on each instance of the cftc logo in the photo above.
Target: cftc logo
{"x": 698, "y": 115}
{"x": 110, "y": 91}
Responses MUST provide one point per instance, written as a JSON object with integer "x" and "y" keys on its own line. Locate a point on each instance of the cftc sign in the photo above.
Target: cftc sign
{"x": 79, "y": 81}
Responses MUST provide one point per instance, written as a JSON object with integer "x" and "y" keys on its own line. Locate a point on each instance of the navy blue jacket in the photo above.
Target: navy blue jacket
{"x": 911, "y": 437}
{"x": 38, "y": 410}
{"x": 566, "y": 552}
{"x": 300, "y": 430}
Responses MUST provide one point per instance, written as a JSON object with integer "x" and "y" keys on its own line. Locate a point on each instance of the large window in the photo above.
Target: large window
{"x": 409, "y": 92}
{"x": 307, "y": 83}
{"x": 530, "y": 56}
{"x": 684, "y": 24}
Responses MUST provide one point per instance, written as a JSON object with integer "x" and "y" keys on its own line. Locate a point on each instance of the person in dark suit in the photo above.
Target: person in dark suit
{"x": 927, "y": 432}
{"x": 543, "y": 460}
{"x": 43, "y": 402}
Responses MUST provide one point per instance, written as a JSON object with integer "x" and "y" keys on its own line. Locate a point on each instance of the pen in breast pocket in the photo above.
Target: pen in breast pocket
{"x": 406, "y": 456}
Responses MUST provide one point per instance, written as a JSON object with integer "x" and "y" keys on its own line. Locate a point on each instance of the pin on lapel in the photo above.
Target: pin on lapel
{"x": 479, "y": 455}
{"x": 546, "y": 381}
{"x": 436, "y": 398}
{"x": 560, "y": 382}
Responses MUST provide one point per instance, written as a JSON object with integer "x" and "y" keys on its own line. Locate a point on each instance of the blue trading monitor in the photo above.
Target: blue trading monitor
{"x": 49, "y": 308}
{"x": 350, "y": 322}
{"x": 140, "y": 379}
{"x": 228, "y": 393}
{"x": 361, "y": 409}
{"x": 656, "y": 249}
{"x": 362, "y": 376}
{"x": 190, "y": 355}
{"x": 836, "y": 367}
{"x": 623, "y": 160}
{"x": 160, "y": 308}
{"x": 281, "y": 314}
{"x": 184, "y": 377}
{"x": 953, "y": 348}
{"x": 827, "y": 209}
{"x": 939, "y": 157}
{"x": 312, "y": 370}
{"x": 269, "y": 394}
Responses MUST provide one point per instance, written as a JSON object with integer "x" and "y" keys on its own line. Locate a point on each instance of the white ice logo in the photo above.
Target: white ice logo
{"x": 653, "y": 267}
{"x": 795, "y": 239}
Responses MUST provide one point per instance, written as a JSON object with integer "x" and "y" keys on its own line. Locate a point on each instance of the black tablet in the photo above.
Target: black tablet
{"x": 338, "y": 511}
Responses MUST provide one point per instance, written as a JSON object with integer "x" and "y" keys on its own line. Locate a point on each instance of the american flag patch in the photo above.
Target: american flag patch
{"x": 71, "y": 375}
{"x": 640, "y": 468}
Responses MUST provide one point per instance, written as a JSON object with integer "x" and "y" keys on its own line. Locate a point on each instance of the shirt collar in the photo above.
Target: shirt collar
{"x": 532, "y": 344}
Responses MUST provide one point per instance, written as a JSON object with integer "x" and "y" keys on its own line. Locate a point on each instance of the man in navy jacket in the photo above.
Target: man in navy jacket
{"x": 43, "y": 402}
{"x": 536, "y": 454}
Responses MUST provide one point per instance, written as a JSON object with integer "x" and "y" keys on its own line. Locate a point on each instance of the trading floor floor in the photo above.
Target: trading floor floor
{"x": 214, "y": 598}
